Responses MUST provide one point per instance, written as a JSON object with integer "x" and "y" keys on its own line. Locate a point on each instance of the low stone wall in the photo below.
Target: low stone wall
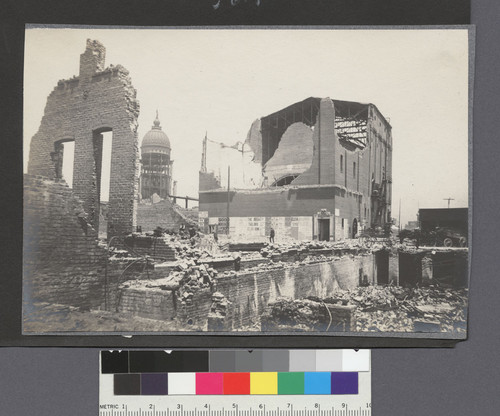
{"x": 148, "y": 303}
{"x": 249, "y": 292}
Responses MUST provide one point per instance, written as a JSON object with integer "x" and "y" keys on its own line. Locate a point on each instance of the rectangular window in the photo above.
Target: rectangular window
{"x": 353, "y": 169}
{"x": 341, "y": 163}
{"x": 68, "y": 161}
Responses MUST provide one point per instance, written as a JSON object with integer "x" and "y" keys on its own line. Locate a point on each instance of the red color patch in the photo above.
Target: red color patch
{"x": 236, "y": 383}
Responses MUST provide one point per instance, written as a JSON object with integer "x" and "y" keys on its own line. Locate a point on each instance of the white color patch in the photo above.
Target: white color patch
{"x": 181, "y": 383}
{"x": 355, "y": 360}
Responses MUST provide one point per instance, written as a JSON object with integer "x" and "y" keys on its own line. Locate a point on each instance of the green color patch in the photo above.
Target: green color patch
{"x": 290, "y": 383}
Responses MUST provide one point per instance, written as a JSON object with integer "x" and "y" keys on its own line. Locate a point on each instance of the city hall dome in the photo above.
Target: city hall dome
{"x": 155, "y": 140}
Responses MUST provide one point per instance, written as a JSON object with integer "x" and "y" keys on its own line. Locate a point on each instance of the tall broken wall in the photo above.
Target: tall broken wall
{"x": 322, "y": 170}
{"x": 286, "y": 159}
{"x": 80, "y": 109}
{"x": 62, "y": 261}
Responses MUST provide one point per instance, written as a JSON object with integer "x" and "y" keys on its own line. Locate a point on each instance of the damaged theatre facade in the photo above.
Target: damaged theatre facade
{"x": 326, "y": 175}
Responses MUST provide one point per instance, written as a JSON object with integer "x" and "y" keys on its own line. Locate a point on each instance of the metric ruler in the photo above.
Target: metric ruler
{"x": 112, "y": 404}
{"x": 239, "y": 406}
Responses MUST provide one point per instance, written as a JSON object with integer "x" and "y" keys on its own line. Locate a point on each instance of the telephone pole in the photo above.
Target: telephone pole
{"x": 448, "y": 199}
{"x": 204, "y": 155}
{"x": 399, "y": 219}
{"x": 228, "y": 196}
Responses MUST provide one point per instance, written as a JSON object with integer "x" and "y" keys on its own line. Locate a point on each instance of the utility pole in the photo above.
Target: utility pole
{"x": 227, "y": 208}
{"x": 399, "y": 220}
{"x": 204, "y": 155}
{"x": 448, "y": 199}
{"x": 319, "y": 144}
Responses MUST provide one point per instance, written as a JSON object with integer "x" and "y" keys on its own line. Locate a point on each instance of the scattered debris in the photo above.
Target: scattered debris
{"x": 307, "y": 315}
{"x": 200, "y": 261}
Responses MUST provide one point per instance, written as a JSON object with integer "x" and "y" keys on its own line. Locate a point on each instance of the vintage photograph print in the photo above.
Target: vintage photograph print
{"x": 247, "y": 181}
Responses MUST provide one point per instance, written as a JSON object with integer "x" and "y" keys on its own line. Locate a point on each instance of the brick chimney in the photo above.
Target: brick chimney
{"x": 92, "y": 60}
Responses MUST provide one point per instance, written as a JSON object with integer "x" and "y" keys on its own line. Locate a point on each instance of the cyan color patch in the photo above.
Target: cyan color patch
{"x": 317, "y": 383}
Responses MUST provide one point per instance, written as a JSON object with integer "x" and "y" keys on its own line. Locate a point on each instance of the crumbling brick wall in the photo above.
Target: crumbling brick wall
{"x": 62, "y": 261}
{"x": 250, "y": 292}
{"x": 80, "y": 109}
{"x": 149, "y": 303}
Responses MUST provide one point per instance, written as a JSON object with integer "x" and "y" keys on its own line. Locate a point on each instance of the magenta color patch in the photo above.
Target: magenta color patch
{"x": 209, "y": 383}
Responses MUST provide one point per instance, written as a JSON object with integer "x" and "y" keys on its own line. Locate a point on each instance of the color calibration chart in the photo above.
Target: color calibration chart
{"x": 235, "y": 383}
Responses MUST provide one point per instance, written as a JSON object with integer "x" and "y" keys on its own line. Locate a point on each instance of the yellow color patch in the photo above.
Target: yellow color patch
{"x": 263, "y": 383}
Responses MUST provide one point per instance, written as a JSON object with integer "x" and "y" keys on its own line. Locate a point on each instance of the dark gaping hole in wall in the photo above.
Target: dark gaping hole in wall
{"x": 274, "y": 125}
{"x": 410, "y": 269}
{"x": 382, "y": 259}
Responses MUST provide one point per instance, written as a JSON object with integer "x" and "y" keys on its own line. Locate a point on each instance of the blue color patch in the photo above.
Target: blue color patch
{"x": 317, "y": 383}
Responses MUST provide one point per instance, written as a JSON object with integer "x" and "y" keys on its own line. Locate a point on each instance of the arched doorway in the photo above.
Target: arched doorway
{"x": 354, "y": 227}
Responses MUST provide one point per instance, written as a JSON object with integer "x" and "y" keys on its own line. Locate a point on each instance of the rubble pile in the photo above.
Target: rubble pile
{"x": 398, "y": 309}
{"x": 185, "y": 281}
{"x": 195, "y": 278}
{"x": 309, "y": 314}
{"x": 195, "y": 248}
{"x": 305, "y": 247}
{"x": 261, "y": 267}
{"x": 374, "y": 309}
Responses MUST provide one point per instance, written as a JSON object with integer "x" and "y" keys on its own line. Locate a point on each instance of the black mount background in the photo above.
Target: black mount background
{"x": 14, "y": 14}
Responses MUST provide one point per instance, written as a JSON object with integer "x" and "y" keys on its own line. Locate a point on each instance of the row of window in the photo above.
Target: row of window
{"x": 342, "y": 166}
{"x": 354, "y": 167}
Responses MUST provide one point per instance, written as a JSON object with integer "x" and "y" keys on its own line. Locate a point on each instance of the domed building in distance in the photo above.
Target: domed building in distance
{"x": 156, "y": 165}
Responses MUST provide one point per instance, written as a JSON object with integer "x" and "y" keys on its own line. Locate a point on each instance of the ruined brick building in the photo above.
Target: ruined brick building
{"x": 80, "y": 110}
{"x": 326, "y": 174}
{"x": 156, "y": 164}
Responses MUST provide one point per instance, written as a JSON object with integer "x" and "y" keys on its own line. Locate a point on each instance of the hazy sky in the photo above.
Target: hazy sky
{"x": 220, "y": 81}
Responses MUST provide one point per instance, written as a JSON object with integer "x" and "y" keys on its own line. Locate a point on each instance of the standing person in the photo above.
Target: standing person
{"x": 192, "y": 232}
{"x": 271, "y": 235}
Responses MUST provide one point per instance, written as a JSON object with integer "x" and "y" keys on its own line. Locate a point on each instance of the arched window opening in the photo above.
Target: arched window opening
{"x": 286, "y": 180}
